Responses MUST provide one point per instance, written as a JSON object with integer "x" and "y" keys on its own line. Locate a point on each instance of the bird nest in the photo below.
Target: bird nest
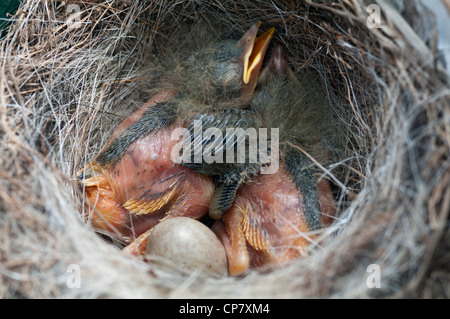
{"x": 70, "y": 71}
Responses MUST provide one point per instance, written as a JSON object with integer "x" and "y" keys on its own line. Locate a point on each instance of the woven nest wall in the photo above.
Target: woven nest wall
{"x": 71, "y": 71}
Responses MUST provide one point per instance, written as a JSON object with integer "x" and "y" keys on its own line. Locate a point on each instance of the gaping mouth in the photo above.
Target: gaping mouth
{"x": 255, "y": 50}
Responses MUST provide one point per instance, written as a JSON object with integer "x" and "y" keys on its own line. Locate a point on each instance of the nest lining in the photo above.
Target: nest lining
{"x": 63, "y": 87}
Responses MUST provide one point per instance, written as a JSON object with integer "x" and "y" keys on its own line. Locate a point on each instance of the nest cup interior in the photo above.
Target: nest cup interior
{"x": 74, "y": 71}
{"x": 186, "y": 34}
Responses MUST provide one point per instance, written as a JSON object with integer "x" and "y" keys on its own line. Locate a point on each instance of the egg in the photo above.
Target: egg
{"x": 188, "y": 244}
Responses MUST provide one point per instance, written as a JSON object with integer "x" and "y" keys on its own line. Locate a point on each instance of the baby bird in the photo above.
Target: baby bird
{"x": 273, "y": 216}
{"x": 134, "y": 182}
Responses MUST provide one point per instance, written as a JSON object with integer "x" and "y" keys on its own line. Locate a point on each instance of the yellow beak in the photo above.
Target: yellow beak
{"x": 254, "y": 50}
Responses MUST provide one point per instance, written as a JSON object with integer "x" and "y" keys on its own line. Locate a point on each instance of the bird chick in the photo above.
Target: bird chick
{"x": 133, "y": 183}
{"x": 224, "y": 101}
{"x": 274, "y": 216}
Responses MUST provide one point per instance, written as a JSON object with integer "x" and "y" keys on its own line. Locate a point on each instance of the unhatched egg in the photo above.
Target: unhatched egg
{"x": 188, "y": 244}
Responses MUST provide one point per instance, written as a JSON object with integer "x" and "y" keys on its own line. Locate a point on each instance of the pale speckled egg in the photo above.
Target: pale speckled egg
{"x": 188, "y": 244}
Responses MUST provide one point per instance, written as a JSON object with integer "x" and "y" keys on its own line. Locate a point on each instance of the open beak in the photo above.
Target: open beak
{"x": 254, "y": 50}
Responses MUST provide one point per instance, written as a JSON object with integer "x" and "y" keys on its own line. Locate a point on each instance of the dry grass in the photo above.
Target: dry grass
{"x": 64, "y": 86}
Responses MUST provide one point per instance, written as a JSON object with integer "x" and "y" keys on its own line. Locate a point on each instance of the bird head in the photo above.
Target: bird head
{"x": 225, "y": 73}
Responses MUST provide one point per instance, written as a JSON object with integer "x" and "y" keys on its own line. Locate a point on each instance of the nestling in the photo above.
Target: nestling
{"x": 274, "y": 216}
{"x": 133, "y": 183}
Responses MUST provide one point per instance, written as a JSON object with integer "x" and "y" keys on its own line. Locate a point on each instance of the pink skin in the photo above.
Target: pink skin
{"x": 266, "y": 225}
{"x": 146, "y": 174}
{"x": 125, "y": 198}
